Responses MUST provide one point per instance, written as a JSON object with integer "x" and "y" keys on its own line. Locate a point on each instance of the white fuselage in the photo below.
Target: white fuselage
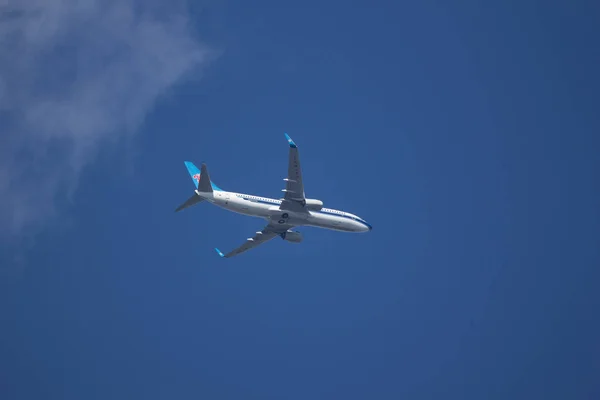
{"x": 267, "y": 208}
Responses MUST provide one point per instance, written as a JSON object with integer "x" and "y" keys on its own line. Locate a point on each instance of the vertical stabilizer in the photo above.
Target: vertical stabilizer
{"x": 201, "y": 178}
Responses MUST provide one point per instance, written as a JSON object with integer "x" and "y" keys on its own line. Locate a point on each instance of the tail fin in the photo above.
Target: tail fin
{"x": 201, "y": 178}
{"x": 203, "y": 184}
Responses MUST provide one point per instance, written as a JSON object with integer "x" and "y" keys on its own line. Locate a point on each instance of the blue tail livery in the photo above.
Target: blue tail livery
{"x": 196, "y": 174}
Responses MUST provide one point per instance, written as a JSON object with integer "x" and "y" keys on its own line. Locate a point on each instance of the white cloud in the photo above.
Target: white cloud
{"x": 74, "y": 75}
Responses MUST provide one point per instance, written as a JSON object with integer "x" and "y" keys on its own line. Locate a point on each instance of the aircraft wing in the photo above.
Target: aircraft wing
{"x": 269, "y": 232}
{"x": 294, "y": 198}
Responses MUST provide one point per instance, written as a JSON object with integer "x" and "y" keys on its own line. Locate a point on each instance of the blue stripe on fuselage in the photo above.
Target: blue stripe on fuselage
{"x": 277, "y": 202}
{"x": 270, "y": 202}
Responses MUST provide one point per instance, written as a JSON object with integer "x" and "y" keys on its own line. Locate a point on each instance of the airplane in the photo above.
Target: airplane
{"x": 291, "y": 211}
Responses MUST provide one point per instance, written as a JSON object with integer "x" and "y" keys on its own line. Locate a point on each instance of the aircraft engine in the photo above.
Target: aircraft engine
{"x": 292, "y": 236}
{"x": 314, "y": 205}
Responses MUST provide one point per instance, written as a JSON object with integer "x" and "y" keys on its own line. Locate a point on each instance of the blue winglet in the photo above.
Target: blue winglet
{"x": 219, "y": 252}
{"x": 290, "y": 141}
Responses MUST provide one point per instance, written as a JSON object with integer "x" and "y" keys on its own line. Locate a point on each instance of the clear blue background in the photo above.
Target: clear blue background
{"x": 466, "y": 134}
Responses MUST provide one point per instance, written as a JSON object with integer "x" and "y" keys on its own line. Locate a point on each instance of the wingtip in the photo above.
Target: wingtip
{"x": 219, "y": 252}
{"x": 290, "y": 141}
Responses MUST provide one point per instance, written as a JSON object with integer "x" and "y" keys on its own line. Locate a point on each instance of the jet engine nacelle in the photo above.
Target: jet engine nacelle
{"x": 314, "y": 204}
{"x": 292, "y": 236}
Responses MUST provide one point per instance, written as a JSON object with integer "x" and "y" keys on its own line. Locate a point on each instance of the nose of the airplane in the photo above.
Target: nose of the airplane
{"x": 365, "y": 226}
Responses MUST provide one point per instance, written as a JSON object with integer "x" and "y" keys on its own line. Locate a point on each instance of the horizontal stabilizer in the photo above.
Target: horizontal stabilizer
{"x": 195, "y": 199}
{"x": 197, "y": 175}
{"x": 204, "y": 181}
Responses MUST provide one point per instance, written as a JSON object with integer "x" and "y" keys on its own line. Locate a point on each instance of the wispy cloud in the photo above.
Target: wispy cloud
{"x": 74, "y": 75}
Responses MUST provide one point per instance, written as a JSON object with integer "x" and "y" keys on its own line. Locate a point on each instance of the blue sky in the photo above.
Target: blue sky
{"x": 467, "y": 135}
